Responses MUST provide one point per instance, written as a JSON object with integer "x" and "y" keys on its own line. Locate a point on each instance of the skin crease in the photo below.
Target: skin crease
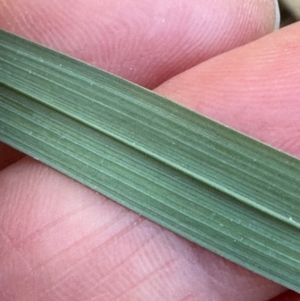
{"x": 60, "y": 240}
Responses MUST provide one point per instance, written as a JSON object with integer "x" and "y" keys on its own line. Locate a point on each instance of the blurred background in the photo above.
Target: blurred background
{"x": 290, "y": 11}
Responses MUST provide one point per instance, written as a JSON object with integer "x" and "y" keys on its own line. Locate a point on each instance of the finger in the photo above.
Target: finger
{"x": 62, "y": 241}
{"x": 144, "y": 41}
{"x": 254, "y": 89}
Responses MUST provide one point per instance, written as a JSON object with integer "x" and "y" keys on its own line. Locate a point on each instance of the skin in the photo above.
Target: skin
{"x": 62, "y": 241}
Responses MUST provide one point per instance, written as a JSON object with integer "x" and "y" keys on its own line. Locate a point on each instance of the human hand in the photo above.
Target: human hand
{"x": 61, "y": 241}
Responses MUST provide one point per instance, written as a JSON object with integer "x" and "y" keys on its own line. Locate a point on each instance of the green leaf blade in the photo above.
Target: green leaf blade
{"x": 208, "y": 183}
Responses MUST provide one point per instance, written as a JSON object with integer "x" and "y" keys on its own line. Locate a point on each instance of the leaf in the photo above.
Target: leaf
{"x": 198, "y": 178}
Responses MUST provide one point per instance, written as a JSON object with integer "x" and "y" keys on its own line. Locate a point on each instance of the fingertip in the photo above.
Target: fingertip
{"x": 144, "y": 42}
{"x": 254, "y": 89}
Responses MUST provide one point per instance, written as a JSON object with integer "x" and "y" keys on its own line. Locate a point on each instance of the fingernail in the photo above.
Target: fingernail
{"x": 277, "y": 15}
